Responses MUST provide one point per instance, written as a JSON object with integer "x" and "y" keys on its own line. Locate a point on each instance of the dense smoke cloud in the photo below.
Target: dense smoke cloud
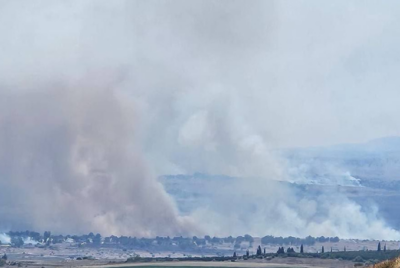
{"x": 94, "y": 94}
{"x": 260, "y": 206}
{"x": 68, "y": 163}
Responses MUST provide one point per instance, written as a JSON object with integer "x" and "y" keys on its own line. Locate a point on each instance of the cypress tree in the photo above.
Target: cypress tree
{"x": 379, "y": 246}
{"x": 301, "y": 249}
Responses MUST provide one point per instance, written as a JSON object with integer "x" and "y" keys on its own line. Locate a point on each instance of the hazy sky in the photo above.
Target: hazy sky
{"x": 297, "y": 73}
{"x": 211, "y": 86}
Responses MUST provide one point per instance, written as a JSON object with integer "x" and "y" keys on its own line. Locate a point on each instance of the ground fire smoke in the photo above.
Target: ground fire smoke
{"x": 68, "y": 164}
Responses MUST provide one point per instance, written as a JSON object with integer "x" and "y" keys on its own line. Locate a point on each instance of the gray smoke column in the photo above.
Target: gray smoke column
{"x": 68, "y": 163}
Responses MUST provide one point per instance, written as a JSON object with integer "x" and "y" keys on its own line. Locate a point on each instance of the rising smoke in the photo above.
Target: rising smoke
{"x": 260, "y": 206}
{"x": 68, "y": 163}
{"x": 99, "y": 97}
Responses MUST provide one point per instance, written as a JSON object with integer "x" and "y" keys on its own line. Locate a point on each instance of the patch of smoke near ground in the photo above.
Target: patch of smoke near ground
{"x": 214, "y": 86}
{"x": 233, "y": 206}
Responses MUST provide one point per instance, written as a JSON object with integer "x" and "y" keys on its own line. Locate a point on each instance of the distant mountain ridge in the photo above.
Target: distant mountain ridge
{"x": 371, "y": 163}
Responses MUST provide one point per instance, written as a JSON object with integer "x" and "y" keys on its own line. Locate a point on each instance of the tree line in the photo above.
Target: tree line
{"x": 18, "y": 238}
{"x": 290, "y": 240}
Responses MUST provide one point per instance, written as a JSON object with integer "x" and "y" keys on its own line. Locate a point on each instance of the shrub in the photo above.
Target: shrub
{"x": 358, "y": 259}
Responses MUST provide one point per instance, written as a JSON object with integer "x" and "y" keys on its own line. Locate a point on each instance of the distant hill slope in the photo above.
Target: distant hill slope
{"x": 373, "y": 164}
{"x": 367, "y": 173}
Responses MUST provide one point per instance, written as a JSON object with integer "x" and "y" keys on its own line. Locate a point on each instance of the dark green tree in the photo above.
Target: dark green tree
{"x": 323, "y": 249}
{"x": 290, "y": 250}
{"x": 17, "y": 241}
{"x": 97, "y": 239}
{"x": 281, "y": 250}
{"x": 379, "y": 246}
{"x": 259, "y": 251}
{"x": 46, "y": 235}
{"x": 301, "y": 249}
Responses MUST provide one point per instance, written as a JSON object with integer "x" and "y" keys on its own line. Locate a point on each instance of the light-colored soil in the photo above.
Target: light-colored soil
{"x": 199, "y": 264}
{"x": 276, "y": 262}
{"x": 65, "y": 255}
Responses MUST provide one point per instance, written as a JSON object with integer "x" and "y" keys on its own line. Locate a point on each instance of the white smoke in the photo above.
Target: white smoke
{"x": 4, "y": 238}
{"x": 29, "y": 240}
{"x": 260, "y": 206}
{"x": 213, "y": 86}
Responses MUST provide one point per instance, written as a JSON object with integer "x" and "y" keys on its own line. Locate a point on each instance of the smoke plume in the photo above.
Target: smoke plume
{"x": 98, "y": 98}
{"x": 68, "y": 163}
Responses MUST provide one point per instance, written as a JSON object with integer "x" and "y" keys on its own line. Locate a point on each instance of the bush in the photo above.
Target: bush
{"x": 358, "y": 259}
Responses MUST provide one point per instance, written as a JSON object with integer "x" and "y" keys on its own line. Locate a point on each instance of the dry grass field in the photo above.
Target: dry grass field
{"x": 394, "y": 263}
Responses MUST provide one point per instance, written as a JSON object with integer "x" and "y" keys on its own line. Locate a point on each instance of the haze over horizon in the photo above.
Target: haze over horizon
{"x": 99, "y": 98}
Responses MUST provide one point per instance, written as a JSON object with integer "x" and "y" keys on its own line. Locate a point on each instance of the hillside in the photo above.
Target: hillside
{"x": 394, "y": 263}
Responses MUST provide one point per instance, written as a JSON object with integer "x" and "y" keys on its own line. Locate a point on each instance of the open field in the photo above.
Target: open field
{"x": 75, "y": 255}
{"x": 200, "y": 264}
{"x": 275, "y": 263}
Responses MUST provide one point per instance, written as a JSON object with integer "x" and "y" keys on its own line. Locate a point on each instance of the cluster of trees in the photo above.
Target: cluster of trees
{"x": 281, "y": 250}
{"x": 379, "y": 247}
{"x": 91, "y": 239}
{"x": 309, "y": 240}
{"x": 17, "y": 239}
{"x": 290, "y": 250}
{"x": 182, "y": 242}
{"x": 366, "y": 257}
{"x": 357, "y": 256}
